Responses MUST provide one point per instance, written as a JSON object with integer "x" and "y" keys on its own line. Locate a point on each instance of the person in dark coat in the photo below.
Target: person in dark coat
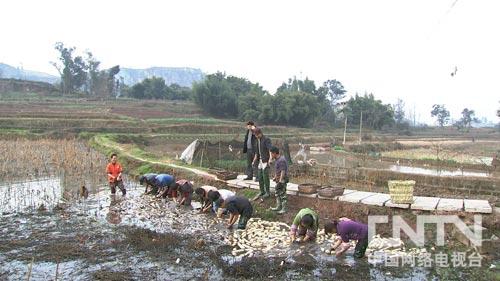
{"x": 249, "y": 150}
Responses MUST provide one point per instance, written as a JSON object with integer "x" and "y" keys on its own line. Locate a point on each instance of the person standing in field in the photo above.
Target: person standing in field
{"x": 114, "y": 170}
{"x": 249, "y": 149}
{"x": 263, "y": 157}
{"x": 281, "y": 179}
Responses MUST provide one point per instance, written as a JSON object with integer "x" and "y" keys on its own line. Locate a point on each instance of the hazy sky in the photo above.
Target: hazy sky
{"x": 393, "y": 49}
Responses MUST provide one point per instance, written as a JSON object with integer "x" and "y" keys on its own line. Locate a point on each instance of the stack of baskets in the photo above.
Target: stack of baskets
{"x": 401, "y": 191}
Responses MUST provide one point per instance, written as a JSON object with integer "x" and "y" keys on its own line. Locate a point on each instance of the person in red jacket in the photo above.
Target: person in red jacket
{"x": 114, "y": 170}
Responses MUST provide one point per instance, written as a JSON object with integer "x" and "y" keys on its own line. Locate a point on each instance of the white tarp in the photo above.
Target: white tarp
{"x": 188, "y": 153}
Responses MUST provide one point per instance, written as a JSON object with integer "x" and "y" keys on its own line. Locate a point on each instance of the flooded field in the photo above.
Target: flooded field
{"x": 49, "y": 232}
{"x": 138, "y": 237}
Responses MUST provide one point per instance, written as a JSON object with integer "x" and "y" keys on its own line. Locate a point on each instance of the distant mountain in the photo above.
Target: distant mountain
{"x": 7, "y": 71}
{"x": 183, "y": 76}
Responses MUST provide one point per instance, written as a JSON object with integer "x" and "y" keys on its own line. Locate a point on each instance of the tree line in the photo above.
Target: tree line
{"x": 467, "y": 118}
{"x": 296, "y": 102}
{"x": 82, "y": 74}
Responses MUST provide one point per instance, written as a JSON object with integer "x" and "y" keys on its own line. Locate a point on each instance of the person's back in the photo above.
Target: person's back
{"x": 352, "y": 230}
{"x": 164, "y": 179}
{"x": 225, "y": 194}
{"x": 238, "y": 203}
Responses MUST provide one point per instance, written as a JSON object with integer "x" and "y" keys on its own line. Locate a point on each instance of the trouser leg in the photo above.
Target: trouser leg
{"x": 260, "y": 175}
{"x": 112, "y": 185}
{"x": 121, "y": 187}
{"x": 360, "y": 249}
{"x": 250, "y": 165}
{"x": 266, "y": 181}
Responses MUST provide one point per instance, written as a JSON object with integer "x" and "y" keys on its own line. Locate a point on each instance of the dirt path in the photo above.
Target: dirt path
{"x": 166, "y": 163}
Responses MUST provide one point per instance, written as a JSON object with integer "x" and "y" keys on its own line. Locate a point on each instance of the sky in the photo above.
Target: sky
{"x": 393, "y": 49}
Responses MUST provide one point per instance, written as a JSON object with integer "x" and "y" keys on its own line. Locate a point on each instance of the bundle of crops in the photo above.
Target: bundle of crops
{"x": 259, "y": 236}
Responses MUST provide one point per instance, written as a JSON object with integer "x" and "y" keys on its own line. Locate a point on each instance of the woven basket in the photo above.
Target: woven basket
{"x": 401, "y": 191}
{"x": 308, "y": 188}
{"x": 331, "y": 191}
{"x": 226, "y": 175}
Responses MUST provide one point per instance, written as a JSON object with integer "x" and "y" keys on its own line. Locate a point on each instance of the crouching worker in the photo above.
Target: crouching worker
{"x": 216, "y": 199}
{"x": 185, "y": 190}
{"x": 202, "y": 194}
{"x": 238, "y": 206}
{"x": 166, "y": 185}
{"x": 281, "y": 179}
{"x": 148, "y": 180}
{"x": 305, "y": 226}
{"x": 348, "y": 230}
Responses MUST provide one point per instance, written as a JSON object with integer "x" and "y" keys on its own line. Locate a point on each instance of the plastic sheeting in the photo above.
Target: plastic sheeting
{"x": 188, "y": 153}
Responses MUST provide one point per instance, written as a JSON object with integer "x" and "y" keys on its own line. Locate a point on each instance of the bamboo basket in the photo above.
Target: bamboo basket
{"x": 226, "y": 175}
{"x": 401, "y": 191}
{"x": 331, "y": 191}
{"x": 308, "y": 188}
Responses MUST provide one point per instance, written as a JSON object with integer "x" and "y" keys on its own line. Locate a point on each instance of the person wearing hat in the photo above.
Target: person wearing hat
{"x": 262, "y": 157}
{"x": 281, "y": 179}
{"x": 149, "y": 181}
{"x": 249, "y": 150}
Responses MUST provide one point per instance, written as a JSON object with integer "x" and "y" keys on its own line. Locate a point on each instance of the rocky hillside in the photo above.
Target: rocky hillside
{"x": 7, "y": 71}
{"x": 182, "y": 76}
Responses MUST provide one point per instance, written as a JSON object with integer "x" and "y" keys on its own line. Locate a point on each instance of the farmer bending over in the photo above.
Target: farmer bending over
{"x": 185, "y": 188}
{"x": 149, "y": 181}
{"x": 216, "y": 199}
{"x": 166, "y": 185}
{"x": 348, "y": 230}
{"x": 305, "y": 225}
{"x": 202, "y": 193}
{"x": 238, "y": 206}
{"x": 114, "y": 170}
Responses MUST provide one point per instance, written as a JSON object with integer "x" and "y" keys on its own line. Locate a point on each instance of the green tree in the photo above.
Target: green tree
{"x": 215, "y": 95}
{"x": 375, "y": 114}
{"x": 329, "y": 95}
{"x": 465, "y": 122}
{"x": 72, "y": 69}
{"x": 441, "y": 113}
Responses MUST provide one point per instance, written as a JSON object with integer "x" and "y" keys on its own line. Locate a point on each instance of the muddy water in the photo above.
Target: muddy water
{"x": 140, "y": 238}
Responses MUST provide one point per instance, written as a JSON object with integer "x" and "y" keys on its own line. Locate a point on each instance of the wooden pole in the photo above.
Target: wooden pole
{"x": 345, "y": 129}
{"x": 57, "y": 271}
{"x": 360, "y": 126}
{"x": 28, "y": 275}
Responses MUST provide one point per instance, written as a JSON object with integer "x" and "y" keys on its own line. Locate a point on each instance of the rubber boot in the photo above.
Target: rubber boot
{"x": 278, "y": 205}
{"x": 283, "y": 209}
